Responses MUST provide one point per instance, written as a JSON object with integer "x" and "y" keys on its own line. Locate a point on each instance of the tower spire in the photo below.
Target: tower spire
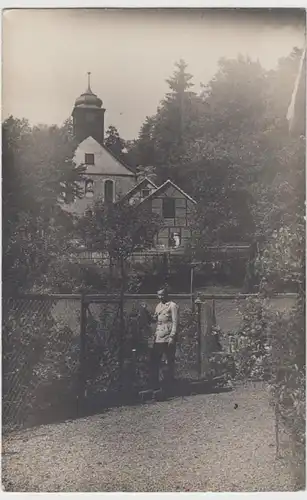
{"x": 89, "y": 81}
{"x": 88, "y": 115}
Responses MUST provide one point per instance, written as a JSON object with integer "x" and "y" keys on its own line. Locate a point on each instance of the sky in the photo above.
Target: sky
{"x": 48, "y": 52}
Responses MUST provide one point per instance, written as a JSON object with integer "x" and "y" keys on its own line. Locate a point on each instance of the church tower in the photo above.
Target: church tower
{"x": 88, "y": 116}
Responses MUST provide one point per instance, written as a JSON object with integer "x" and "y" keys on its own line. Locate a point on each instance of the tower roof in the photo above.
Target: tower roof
{"x": 88, "y": 99}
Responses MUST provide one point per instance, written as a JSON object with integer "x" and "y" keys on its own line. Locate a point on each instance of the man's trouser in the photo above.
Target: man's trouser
{"x": 157, "y": 352}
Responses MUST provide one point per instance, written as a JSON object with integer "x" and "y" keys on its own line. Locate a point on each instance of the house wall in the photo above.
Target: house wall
{"x": 105, "y": 163}
{"x": 105, "y": 167}
{"x": 179, "y": 224}
{"x": 121, "y": 186}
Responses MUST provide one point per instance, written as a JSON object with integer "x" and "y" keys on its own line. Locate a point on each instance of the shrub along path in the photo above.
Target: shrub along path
{"x": 213, "y": 442}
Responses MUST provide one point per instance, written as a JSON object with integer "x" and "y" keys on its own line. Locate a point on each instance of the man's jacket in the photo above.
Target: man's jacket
{"x": 166, "y": 316}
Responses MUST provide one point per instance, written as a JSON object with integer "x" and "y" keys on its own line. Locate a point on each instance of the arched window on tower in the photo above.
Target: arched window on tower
{"x": 109, "y": 191}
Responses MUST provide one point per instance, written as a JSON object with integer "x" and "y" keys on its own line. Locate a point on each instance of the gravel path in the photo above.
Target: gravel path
{"x": 199, "y": 443}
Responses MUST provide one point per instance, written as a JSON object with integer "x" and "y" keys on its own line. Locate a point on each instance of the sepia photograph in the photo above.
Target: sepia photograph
{"x": 153, "y": 250}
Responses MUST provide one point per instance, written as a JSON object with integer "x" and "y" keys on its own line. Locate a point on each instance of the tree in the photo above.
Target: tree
{"x": 142, "y": 151}
{"x": 241, "y": 169}
{"x": 227, "y": 147}
{"x": 114, "y": 142}
{"x": 279, "y": 192}
{"x": 222, "y": 214}
{"x": 148, "y": 172}
{"x": 225, "y": 161}
{"x": 67, "y": 129}
{"x": 38, "y": 176}
{"x": 164, "y": 138}
{"x": 118, "y": 229}
{"x": 177, "y": 123}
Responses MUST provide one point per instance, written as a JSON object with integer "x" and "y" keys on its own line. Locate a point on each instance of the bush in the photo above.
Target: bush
{"x": 287, "y": 336}
{"x": 252, "y": 351}
{"x": 271, "y": 346}
{"x": 40, "y": 359}
{"x": 186, "y": 357}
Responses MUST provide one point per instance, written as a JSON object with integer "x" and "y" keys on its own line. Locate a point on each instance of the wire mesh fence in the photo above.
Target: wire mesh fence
{"x": 119, "y": 337}
{"x": 102, "y": 346}
{"x": 59, "y": 350}
{"x": 40, "y": 353}
{"x": 142, "y": 333}
{"x": 241, "y": 324}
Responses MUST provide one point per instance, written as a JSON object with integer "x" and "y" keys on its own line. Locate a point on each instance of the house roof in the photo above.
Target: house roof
{"x": 118, "y": 159}
{"x": 164, "y": 186}
{"x": 138, "y": 186}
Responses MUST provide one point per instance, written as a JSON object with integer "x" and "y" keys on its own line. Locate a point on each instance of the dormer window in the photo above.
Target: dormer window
{"x": 89, "y": 188}
{"x": 89, "y": 159}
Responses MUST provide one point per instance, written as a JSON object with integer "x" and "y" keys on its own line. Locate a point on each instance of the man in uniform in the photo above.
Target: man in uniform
{"x": 164, "y": 342}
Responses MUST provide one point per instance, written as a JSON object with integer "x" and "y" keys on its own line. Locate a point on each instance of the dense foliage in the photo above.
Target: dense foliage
{"x": 41, "y": 371}
{"x": 114, "y": 142}
{"x": 38, "y": 176}
{"x": 116, "y": 231}
{"x": 228, "y": 147}
{"x": 270, "y": 346}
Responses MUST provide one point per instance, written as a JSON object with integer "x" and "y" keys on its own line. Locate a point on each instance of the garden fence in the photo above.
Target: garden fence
{"x": 60, "y": 350}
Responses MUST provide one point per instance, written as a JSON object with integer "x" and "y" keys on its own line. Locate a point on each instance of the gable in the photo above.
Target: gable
{"x": 104, "y": 161}
{"x": 144, "y": 184}
{"x": 137, "y": 192}
{"x": 170, "y": 190}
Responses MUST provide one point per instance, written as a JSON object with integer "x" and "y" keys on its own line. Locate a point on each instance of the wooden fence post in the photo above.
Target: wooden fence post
{"x": 122, "y": 323}
{"x": 121, "y": 341}
{"x": 206, "y": 321}
{"x": 199, "y": 347}
{"x": 213, "y": 313}
{"x": 82, "y": 354}
{"x": 192, "y": 289}
{"x": 277, "y": 414}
